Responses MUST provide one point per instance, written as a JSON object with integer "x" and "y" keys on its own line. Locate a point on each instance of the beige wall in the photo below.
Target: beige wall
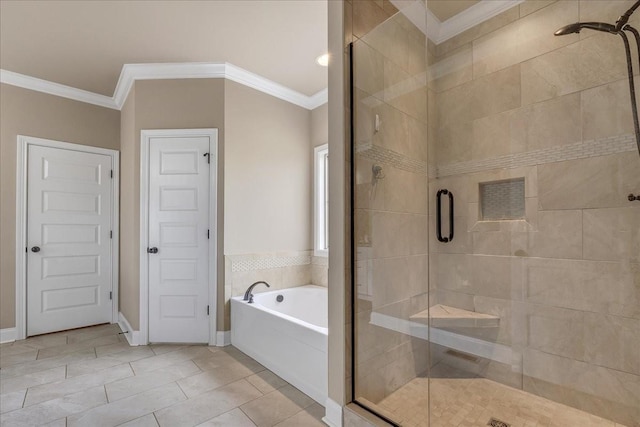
{"x": 267, "y": 193}
{"x": 25, "y": 112}
{"x": 161, "y": 104}
{"x": 320, "y": 125}
{"x": 266, "y": 173}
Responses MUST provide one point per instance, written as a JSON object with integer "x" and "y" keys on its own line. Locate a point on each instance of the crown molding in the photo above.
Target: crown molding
{"x": 57, "y": 89}
{"x": 188, "y": 70}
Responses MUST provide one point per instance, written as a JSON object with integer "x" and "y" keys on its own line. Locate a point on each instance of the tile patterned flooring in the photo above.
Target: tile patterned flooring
{"x": 472, "y": 402}
{"x": 92, "y": 377}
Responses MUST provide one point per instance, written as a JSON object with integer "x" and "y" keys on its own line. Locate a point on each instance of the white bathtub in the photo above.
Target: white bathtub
{"x": 288, "y": 337}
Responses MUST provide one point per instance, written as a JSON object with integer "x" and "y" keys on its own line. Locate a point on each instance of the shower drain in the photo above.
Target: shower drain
{"x": 497, "y": 423}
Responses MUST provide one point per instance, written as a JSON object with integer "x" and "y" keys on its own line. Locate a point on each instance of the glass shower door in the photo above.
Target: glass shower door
{"x": 496, "y": 242}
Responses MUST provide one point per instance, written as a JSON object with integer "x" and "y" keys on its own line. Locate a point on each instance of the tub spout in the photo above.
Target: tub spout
{"x": 248, "y": 296}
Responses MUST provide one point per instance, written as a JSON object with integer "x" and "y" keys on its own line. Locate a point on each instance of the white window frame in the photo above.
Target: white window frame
{"x": 321, "y": 201}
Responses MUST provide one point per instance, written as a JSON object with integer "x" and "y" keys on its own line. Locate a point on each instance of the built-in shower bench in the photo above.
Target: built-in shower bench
{"x": 443, "y": 316}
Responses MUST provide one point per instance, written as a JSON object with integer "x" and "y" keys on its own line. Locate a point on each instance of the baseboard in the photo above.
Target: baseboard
{"x": 223, "y": 338}
{"x": 8, "y": 335}
{"x": 333, "y": 414}
{"x": 133, "y": 337}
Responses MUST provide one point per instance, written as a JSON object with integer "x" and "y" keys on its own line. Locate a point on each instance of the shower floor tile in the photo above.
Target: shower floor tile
{"x": 472, "y": 402}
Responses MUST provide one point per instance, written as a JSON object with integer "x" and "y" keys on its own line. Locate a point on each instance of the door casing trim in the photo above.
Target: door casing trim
{"x": 145, "y": 138}
{"x": 21, "y": 222}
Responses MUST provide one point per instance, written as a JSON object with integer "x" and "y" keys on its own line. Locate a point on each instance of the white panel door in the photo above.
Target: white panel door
{"x": 178, "y": 239}
{"x": 68, "y": 232}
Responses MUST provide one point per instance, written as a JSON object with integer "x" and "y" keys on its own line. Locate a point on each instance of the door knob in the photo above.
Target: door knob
{"x": 35, "y": 249}
{"x": 152, "y": 250}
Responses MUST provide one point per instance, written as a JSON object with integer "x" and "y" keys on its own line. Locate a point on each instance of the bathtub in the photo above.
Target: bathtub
{"x": 288, "y": 337}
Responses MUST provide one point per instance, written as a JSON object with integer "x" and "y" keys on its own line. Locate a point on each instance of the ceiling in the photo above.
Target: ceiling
{"x": 84, "y": 44}
{"x": 445, "y": 9}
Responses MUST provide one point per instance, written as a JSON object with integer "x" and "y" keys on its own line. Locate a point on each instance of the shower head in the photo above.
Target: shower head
{"x": 575, "y": 28}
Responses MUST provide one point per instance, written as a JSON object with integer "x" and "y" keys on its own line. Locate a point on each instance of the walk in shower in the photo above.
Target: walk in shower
{"x": 496, "y": 231}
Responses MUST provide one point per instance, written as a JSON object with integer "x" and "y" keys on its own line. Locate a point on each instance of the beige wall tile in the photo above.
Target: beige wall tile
{"x": 529, "y": 37}
{"x": 296, "y": 275}
{"x": 491, "y": 94}
{"x": 393, "y": 42}
{"x": 491, "y": 276}
{"x": 494, "y": 136}
{"x": 398, "y": 279}
{"x": 612, "y": 341}
{"x": 616, "y": 386}
{"x": 602, "y": 287}
{"x": 579, "y": 66}
{"x": 606, "y": 111}
{"x": 462, "y": 240}
{"x": 319, "y": 275}
{"x": 559, "y": 235}
{"x": 473, "y": 33}
{"x": 368, "y": 71}
{"x": 404, "y": 191}
{"x": 454, "y": 143}
{"x": 557, "y": 331}
{"x": 366, "y": 16}
{"x": 612, "y": 234}
{"x": 452, "y": 69}
{"x": 547, "y": 124}
{"x": 401, "y": 133}
{"x": 404, "y": 91}
{"x": 531, "y": 6}
{"x": 597, "y": 182}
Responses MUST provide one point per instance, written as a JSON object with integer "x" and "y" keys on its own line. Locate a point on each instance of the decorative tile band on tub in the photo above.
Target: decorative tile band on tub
{"x": 270, "y": 260}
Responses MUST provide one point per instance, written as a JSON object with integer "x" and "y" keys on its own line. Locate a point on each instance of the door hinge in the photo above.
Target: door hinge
{"x": 26, "y": 249}
{"x": 111, "y": 234}
{"x": 111, "y": 295}
{"x": 207, "y": 310}
{"x": 208, "y": 156}
{"x": 208, "y": 234}
{"x": 111, "y": 173}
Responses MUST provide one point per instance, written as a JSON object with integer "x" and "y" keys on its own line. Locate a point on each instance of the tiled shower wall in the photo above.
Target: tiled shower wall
{"x": 509, "y": 100}
{"x": 391, "y": 194}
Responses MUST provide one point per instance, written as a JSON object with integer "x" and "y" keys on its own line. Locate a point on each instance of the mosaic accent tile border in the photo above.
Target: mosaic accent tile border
{"x": 253, "y": 262}
{"x": 389, "y": 157}
{"x": 579, "y": 150}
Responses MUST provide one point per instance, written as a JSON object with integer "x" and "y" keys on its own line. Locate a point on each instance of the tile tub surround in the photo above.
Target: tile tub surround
{"x": 281, "y": 270}
{"x": 565, "y": 281}
{"x": 92, "y": 377}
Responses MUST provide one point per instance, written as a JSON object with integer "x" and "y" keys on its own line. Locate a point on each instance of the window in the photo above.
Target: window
{"x": 321, "y": 201}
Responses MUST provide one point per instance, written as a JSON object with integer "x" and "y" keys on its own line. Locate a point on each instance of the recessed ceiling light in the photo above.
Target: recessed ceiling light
{"x": 323, "y": 60}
